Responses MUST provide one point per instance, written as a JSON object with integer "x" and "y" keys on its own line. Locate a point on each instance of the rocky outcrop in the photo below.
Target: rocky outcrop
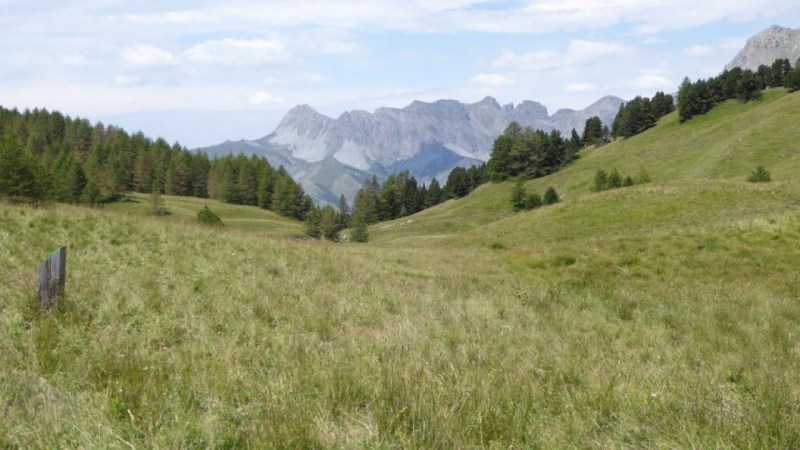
{"x": 765, "y": 47}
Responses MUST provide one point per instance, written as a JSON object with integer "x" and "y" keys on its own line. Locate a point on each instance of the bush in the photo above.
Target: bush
{"x": 208, "y": 217}
{"x": 614, "y": 179}
{"x": 550, "y": 196}
{"x": 533, "y": 201}
{"x": 628, "y": 181}
{"x": 760, "y": 175}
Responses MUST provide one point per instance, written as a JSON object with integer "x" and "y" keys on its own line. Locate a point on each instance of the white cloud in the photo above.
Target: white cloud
{"x": 264, "y": 98}
{"x": 491, "y": 79}
{"x": 239, "y": 53}
{"x": 523, "y": 16}
{"x": 580, "y": 87}
{"x": 148, "y": 56}
{"x": 579, "y": 53}
{"x": 652, "y": 81}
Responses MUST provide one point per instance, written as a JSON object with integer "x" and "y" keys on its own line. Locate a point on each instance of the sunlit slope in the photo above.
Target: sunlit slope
{"x": 646, "y": 212}
{"x": 726, "y": 144}
{"x": 185, "y": 209}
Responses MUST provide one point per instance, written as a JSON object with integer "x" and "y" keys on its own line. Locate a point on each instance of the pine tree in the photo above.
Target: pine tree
{"x": 600, "y": 180}
{"x": 593, "y": 131}
{"x": 312, "y": 223}
{"x": 760, "y": 175}
{"x": 208, "y": 217}
{"x": 329, "y": 224}
{"x": 792, "y": 79}
{"x": 21, "y": 177}
{"x": 343, "y": 215}
{"x": 359, "y": 232}
{"x": 435, "y": 195}
{"x": 550, "y": 196}
{"x": 746, "y": 88}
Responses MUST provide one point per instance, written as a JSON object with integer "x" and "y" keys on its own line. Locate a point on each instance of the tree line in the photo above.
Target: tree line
{"x": 528, "y": 153}
{"x": 745, "y": 85}
{"x": 401, "y": 194}
{"x": 47, "y": 156}
{"x": 640, "y": 114}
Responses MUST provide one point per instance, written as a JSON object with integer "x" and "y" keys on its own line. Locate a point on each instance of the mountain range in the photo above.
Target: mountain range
{"x": 331, "y": 157}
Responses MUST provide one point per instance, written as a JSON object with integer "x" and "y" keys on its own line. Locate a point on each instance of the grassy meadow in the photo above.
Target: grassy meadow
{"x": 664, "y": 315}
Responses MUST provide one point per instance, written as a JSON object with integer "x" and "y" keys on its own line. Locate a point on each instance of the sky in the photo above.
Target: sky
{"x": 201, "y": 72}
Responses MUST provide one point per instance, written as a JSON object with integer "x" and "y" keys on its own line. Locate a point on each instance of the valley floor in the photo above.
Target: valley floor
{"x": 662, "y": 316}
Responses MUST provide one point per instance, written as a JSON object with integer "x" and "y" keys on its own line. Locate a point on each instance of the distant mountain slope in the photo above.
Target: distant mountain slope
{"x": 331, "y": 157}
{"x": 765, "y": 47}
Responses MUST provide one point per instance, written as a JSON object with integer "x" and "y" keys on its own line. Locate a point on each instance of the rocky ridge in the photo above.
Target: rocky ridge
{"x": 330, "y": 157}
{"x": 765, "y": 47}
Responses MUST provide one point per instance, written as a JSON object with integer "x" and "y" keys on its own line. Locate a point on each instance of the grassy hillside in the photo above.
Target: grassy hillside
{"x": 663, "y": 315}
{"x": 184, "y": 210}
{"x": 726, "y": 144}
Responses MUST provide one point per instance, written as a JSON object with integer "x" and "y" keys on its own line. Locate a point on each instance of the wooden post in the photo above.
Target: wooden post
{"x": 51, "y": 278}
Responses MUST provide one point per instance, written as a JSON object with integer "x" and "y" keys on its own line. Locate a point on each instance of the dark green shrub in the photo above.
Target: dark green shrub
{"x": 760, "y": 175}
{"x": 208, "y": 217}
{"x": 614, "y": 179}
{"x": 600, "y": 180}
{"x": 533, "y": 201}
{"x": 628, "y": 181}
{"x": 550, "y": 196}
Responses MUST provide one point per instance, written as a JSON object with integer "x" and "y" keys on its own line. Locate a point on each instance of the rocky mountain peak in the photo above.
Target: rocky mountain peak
{"x": 304, "y": 116}
{"x": 767, "y": 46}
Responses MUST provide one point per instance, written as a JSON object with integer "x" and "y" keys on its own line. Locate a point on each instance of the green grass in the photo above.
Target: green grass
{"x": 726, "y": 144}
{"x": 185, "y": 209}
{"x": 663, "y": 315}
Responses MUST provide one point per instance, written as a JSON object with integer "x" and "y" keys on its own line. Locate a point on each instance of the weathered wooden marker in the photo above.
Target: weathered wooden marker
{"x": 51, "y": 278}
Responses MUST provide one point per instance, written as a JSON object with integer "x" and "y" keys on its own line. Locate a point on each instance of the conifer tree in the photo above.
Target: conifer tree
{"x": 359, "y": 232}
{"x": 208, "y": 217}
{"x": 614, "y": 179}
{"x": 600, "y": 180}
{"x": 550, "y": 196}
{"x": 312, "y": 223}
{"x": 329, "y": 224}
{"x": 156, "y": 201}
{"x": 343, "y": 215}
